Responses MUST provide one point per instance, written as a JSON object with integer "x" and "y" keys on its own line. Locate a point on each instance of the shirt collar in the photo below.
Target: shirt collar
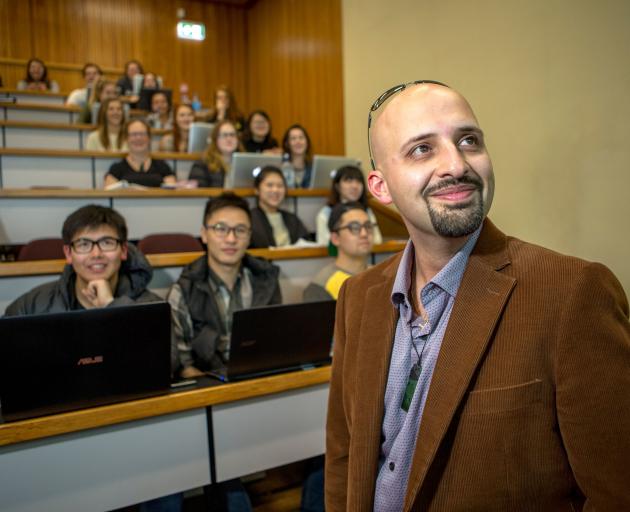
{"x": 448, "y": 278}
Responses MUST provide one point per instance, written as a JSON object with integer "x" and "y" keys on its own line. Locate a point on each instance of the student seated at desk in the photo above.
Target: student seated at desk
{"x": 103, "y": 90}
{"x": 102, "y": 270}
{"x": 217, "y": 158}
{"x": 178, "y": 140}
{"x": 36, "y": 78}
{"x": 352, "y": 233}
{"x": 138, "y": 167}
{"x": 271, "y": 225}
{"x": 109, "y": 135}
{"x": 91, "y": 74}
{"x": 216, "y": 284}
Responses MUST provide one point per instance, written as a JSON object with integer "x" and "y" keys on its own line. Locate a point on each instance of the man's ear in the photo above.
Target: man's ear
{"x": 67, "y": 251}
{"x": 334, "y": 238}
{"x": 124, "y": 251}
{"x": 204, "y": 235}
{"x": 378, "y": 187}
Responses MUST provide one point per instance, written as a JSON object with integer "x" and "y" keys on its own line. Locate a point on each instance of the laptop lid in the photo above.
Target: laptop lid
{"x": 199, "y": 136}
{"x": 64, "y": 361}
{"x": 325, "y": 167}
{"x": 241, "y": 174}
{"x": 273, "y": 339}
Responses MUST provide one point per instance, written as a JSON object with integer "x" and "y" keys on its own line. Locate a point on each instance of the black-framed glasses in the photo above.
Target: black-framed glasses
{"x": 85, "y": 245}
{"x": 223, "y": 230}
{"x": 383, "y": 98}
{"x": 356, "y": 227}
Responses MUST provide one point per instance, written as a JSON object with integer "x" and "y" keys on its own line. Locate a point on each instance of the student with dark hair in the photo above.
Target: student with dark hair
{"x": 216, "y": 284}
{"x": 138, "y": 167}
{"x": 109, "y": 136}
{"x": 102, "y": 269}
{"x": 36, "y": 78}
{"x": 351, "y": 232}
{"x": 257, "y": 136}
{"x": 102, "y": 91}
{"x": 91, "y": 74}
{"x": 271, "y": 225}
{"x": 217, "y": 158}
{"x": 348, "y": 185}
{"x": 161, "y": 116}
{"x": 225, "y": 108}
{"x": 177, "y": 142}
{"x": 125, "y": 82}
{"x": 297, "y": 149}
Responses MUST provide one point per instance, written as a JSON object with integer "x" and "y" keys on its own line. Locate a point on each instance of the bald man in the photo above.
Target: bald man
{"x": 473, "y": 371}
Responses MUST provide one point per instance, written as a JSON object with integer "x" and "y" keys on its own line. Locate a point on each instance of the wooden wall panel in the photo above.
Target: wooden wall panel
{"x": 110, "y": 32}
{"x": 295, "y": 67}
{"x": 280, "y": 55}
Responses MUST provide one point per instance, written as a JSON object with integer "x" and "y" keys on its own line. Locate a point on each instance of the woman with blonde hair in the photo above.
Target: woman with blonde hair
{"x": 103, "y": 90}
{"x": 217, "y": 158}
{"x": 109, "y": 136}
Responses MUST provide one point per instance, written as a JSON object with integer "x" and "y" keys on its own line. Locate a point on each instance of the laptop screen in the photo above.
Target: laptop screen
{"x": 64, "y": 361}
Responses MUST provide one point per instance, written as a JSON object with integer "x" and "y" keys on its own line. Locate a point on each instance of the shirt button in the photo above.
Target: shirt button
{"x": 392, "y": 466}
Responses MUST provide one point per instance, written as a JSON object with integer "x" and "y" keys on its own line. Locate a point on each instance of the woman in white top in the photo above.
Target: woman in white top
{"x": 109, "y": 134}
{"x": 178, "y": 140}
{"x": 36, "y": 78}
{"x": 348, "y": 185}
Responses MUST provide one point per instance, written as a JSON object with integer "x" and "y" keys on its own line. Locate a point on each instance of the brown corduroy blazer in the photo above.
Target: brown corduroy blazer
{"x": 529, "y": 404}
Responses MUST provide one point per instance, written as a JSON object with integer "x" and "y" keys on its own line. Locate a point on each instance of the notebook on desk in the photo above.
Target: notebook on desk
{"x": 280, "y": 338}
{"x": 64, "y": 361}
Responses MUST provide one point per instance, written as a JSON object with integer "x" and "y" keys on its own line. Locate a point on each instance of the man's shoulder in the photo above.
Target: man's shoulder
{"x": 260, "y": 266}
{"x": 41, "y": 299}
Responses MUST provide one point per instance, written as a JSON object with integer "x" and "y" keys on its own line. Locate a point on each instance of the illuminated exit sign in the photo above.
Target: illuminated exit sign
{"x": 190, "y": 30}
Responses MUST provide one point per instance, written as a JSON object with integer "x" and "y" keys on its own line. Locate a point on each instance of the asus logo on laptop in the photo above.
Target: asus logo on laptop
{"x": 90, "y": 360}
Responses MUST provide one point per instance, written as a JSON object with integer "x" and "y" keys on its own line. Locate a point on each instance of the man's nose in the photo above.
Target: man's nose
{"x": 452, "y": 161}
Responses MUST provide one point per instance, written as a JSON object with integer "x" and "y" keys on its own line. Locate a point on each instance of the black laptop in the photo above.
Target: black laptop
{"x": 64, "y": 361}
{"x": 280, "y": 338}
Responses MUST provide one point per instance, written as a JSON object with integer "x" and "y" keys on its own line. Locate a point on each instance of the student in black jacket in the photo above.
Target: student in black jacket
{"x": 272, "y": 226}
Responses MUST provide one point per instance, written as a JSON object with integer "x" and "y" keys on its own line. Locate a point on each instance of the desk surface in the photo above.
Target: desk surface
{"x": 64, "y": 126}
{"x": 47, "y": 426}
{"x": 77, "y": 153}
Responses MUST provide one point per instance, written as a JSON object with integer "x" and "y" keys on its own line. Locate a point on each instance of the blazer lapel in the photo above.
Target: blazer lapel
{"x": 378, "y": 324}
{"x": 480, "y": 300}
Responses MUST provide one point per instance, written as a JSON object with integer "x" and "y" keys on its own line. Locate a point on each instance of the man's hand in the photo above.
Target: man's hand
{"x": 98, "y": 293}
{"x": 190, "y": 372}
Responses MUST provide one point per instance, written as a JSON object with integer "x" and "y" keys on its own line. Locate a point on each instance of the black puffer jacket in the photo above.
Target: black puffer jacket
{"x": 133, "y": 277}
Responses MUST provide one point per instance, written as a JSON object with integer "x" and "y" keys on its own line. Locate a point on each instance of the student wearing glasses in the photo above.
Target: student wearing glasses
{"x": 138, "y": 167}
{"x": 352, "y": 233}
{"x": 102, "y": 269}
{"x": 223, "y": 280}
{"x": 217, "y": 158}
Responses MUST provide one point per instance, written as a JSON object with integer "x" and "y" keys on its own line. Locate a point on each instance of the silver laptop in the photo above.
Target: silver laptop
{"x": 244, "y": 167}
{"x": 199, "y": 136}
{"x": 325, "y": 167}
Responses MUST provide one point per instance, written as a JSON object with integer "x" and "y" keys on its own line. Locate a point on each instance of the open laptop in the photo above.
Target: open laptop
{"x": 325, "y": 167}
{"x": 64, "y": 361}
{"x": 241, "y": 174}
{"x": 280, "y": 338}
{"x": 199, "y": 136}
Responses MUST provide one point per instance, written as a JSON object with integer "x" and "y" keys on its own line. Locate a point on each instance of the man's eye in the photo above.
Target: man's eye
{"x": 469, "y": 140}
{"x": 420, "y": 150}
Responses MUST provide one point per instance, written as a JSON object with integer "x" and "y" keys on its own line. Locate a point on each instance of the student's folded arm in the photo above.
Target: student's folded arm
{"x": 181, "y": 330}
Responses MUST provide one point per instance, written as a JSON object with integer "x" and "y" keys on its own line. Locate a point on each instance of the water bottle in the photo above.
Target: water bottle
{"x": 196, "y": 104}
{"x": 288, "y": 170}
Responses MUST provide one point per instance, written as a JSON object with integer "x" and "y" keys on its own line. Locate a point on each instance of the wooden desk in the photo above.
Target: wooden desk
{"x": 25, "y": 168}
{"x": 297, "y": 268}
{"x": 39, "y": 135}
{"x": 38, "y": 213}
{"x": 112, "y": 456}
{"x": 37, "y": 97}
{"x": 40, "y": 112}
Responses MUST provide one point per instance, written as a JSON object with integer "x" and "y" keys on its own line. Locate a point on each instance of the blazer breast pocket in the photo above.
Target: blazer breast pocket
{"x": 504, "y": 399}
